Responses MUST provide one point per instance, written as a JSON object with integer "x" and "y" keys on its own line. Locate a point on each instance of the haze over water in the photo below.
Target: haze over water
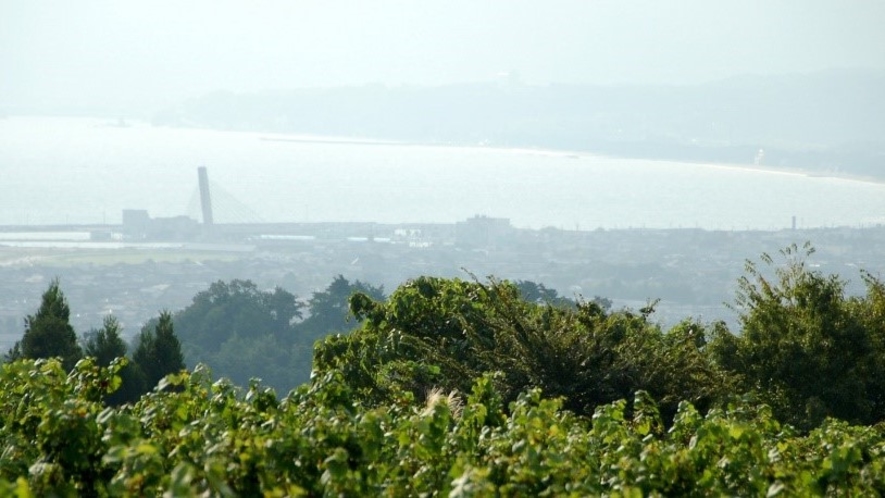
{"x": 143, "y": 59}
{"x": 78, "y": 170}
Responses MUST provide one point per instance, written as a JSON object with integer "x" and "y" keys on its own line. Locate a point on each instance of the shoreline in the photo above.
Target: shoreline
{"x": 535, "y": 187}
{"x": 580, "y": 154}
{"x": 567, "y": 153}
{"x": 286, "y": 137}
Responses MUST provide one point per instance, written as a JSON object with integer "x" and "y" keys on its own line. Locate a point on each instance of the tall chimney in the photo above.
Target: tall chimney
{"x": 205, "y": 199}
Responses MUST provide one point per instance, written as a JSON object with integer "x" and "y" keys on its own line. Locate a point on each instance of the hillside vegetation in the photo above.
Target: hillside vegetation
{"x": 466, "y": 388}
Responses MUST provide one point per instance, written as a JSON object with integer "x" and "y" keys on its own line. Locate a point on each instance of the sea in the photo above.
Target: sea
{"x": 56, "y": 170}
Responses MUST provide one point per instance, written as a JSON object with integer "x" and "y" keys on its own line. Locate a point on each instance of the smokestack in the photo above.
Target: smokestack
{"x": 205, "y": 199}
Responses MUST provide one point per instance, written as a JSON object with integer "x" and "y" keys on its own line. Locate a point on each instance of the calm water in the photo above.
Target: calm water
{"x": 74, "y": 170}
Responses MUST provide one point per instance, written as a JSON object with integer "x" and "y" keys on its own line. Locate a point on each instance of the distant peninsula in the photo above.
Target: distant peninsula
{"x": 828, "y": 123}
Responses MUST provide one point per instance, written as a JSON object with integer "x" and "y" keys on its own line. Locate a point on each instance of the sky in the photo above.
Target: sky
{"x": 139, "y": 52}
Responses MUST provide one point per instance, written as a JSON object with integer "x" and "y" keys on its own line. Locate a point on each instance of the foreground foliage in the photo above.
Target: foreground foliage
{"x": 466, "y": 388}
{"x": 191, "y": 437}
{"x": 435, "y": 332}
{"x": 805, "y": 348}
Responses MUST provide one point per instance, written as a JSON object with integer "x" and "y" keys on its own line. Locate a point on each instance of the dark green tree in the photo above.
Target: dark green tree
{"x": 280, "y": 366}
{"x": 158, "y": 351}
{"x": 534, "y": 292}
{"x": 237, "y": 308}
{"x": 445, "y": 333}
{"x": 328, "y": 310}
{"x": 48, "y": 333}
{"x": 242, "y": 332}
{"x": 329, "y": 313}
{"x": 805, "y": 348}
{"x": 105, "y": 344}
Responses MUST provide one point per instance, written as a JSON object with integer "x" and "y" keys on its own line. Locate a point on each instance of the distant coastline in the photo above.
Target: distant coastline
{"x": 570, "y": 153}
{"x": 344, "y": 179}
{"x": 340, "y": 139}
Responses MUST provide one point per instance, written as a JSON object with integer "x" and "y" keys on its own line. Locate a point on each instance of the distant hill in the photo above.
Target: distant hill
{"x": 832, "y": 121}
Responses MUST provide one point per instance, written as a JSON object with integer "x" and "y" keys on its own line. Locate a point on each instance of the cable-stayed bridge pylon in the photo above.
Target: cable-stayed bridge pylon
{"x": 211, "y": 203}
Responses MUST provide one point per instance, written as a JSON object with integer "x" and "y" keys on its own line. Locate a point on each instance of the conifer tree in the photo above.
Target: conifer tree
{"x": 48, "y": 333}
{"x": 105, "y": 344}
{"x": 158, "y": 351}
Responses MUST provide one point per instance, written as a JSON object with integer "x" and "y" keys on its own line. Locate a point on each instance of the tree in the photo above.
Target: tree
{"x": 538, "y": 293}
{"x": 806, "y": 349}
{"x": 105, "y": 344}
{"x": 158, "y": 351}
{"x": 328, "y": 310}
{"x": 48, "y": 333}
{"x": 435, "y": 332}
{"x": 238, "y": 308}
{"x": 243, "y": 332}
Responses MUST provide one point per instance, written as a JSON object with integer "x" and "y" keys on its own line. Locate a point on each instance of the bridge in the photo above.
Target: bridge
{"x": 212, "y": 204}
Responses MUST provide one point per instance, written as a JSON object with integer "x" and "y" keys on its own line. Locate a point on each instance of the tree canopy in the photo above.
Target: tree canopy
{"x": 806, "y": 348}
{"x": 444, "y": 333}
{"x": 329, "y": 311}
{"x": 242, "y": 331}
{"x": 158, "y": 351}
{"x": 105, "y": 344}
{"x": 237, "y": 308}
{"x": 466, "y": 388}
{"x": 48, "y": 332}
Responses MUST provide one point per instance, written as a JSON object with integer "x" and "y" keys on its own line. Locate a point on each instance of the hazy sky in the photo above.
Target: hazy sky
{"x": 136, "y": 51}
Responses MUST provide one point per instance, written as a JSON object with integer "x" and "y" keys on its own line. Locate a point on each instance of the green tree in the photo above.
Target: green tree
{"x": 105, "y": 344}
{"x": 279, "y": 365}
{"x": 538, "y": 293}
{"x": 48, "y": 333}
{"x": 435, "y": 332}
{"x": 243, "y": 332}
{"x": 870, "y": 310}
{"x": 328, "y": 310}
{"x": 158, "y": 351}
{"x": 805, "y": 348}
{"x": 237, "y": 308}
